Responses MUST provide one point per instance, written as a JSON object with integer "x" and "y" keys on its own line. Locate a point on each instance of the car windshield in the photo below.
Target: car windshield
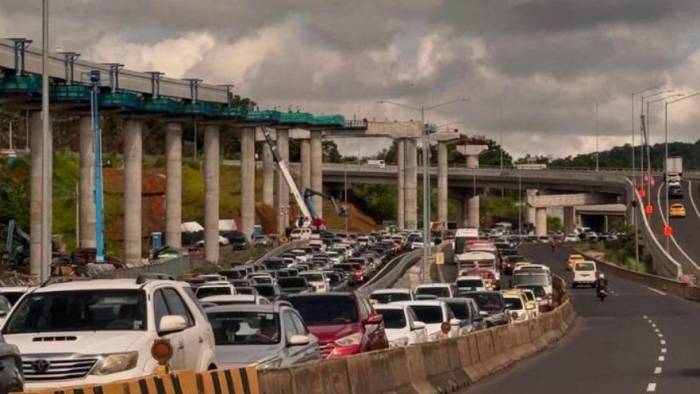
{"x": 513, "y": 303}
{"x": 585, "y": 267}
{"x": 326, "y": 310}
{"x": 5, "y": 306}
{"x": 538, "y": 290}
{"x": 428, "y": 314}
{"x": 385, "y": 298}
{"x": 393, "y": 318}
{"x": 530, "y": 280}
{"x": 295, "y": 281}
{"x": 470, "y": 283}
{"x": 83, "y": 310}
{"x": 440, "y": 291}
{"x": 263, "y": 279}
{"x": 274, "y": 265}
{"x": 459, "y": 309}
{"x": 266, "y": 291}
{"x": 490, "y": 302}
{"x": 244, "y": 328}
{"x": 313, "y": 277}
{"x": 212, "y": 291}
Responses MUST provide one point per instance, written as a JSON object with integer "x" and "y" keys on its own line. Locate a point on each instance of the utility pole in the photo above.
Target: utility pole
{"x": 46, "y": 162}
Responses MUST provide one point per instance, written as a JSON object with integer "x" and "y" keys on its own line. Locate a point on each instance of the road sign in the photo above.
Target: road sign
{"x": 642, "y": 193}
{"x": 649, "y": 209}
{"x": 668, "y": 231}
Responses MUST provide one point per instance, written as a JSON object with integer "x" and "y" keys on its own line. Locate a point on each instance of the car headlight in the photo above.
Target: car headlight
{"x": 115, "y": 362}
{"x": 350, "y": 340}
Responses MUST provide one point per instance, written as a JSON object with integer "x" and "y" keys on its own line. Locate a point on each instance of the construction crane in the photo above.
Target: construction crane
{"x": 308, "y": 217}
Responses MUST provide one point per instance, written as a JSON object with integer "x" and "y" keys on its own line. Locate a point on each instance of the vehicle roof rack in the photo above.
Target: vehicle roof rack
{"x": 145, "y": 277}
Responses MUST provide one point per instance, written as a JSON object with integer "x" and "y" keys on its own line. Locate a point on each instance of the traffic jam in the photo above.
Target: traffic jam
{"x": 279, "y": 311}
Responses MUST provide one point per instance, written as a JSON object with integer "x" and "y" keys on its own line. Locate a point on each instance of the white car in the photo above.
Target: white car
{"x": 435, "y": 290}
{"x": 300, "y": 233}
{"x": 317, "y": 279}
{"x": 234, "y": 299}
{"x": 100, "y": 331}
{"x": 585, "y": 273}
{"x": 516, "y": 304}
{"x": 300, "y": 255}
{"x": 387, "y": 296}
{"x": 262, "y": 278}
{"x": 401, "y": 325}
{"x": 215, "y": 288}
{"x": 433, "y": 313}
{"x": 13, "y": 294}
{"x": 470, "y": 283}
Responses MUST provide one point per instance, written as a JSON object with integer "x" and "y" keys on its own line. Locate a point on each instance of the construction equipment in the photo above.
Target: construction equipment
{"x": 308, "y": 216}
{"x": 15, "y": 256}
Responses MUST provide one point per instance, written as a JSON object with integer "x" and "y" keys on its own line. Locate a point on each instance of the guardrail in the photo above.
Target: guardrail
{"x": 274, "y": 252}
{"x": 176, "y": 267}
{"x": 390, "y": 273}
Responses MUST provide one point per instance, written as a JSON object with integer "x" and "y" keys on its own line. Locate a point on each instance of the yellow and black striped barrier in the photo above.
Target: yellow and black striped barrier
{"x": 223, "y": 381}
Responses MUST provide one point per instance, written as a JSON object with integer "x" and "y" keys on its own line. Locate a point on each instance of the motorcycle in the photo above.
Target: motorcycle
{"x": 602, "y": 293}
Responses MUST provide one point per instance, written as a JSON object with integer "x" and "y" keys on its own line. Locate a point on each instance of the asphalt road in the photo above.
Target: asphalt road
{"x": 614, "y": 346}
{"x": 684, "y": 245}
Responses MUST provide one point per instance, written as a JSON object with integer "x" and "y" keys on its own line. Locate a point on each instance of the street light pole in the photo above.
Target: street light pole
{"x": 648, "y": 139}
{"x": 46, "y": 149}
{"x": 597, "y": 152}
{"x": 427, "y": 244}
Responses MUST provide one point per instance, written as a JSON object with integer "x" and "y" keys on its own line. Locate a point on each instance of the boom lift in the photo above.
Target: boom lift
{"x": 308, "y": 216}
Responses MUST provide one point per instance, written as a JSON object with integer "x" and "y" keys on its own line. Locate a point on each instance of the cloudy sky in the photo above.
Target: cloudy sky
{"x": 532, "y": 69}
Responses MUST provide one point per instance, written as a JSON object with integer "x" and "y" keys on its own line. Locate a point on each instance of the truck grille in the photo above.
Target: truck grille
{"x": 47, "y": 369}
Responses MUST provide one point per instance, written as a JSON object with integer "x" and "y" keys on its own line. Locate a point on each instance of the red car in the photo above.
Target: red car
{"x": 345, "y": 323}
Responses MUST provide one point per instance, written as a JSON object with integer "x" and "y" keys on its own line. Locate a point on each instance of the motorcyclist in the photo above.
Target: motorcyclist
{"x": 601, "y": 284}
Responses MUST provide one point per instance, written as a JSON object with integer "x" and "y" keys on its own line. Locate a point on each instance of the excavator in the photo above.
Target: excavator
{"x": 308, "y": 216}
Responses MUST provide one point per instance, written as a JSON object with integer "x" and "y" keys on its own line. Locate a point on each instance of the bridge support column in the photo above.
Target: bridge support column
{"x": 173, "y": 187}
{"x": 540, "y": 222}
{"x": 461, "y": 210}
{"x": 35, "y": 213}
{"x": 211, "y": 192}
{"x": 87, "y": 185}
{"x": 472, "y": 161}
{"x": 530, "y": 210}
{"x": 401, "y": 183}
{"x": 268, "y": 186}
{"x": 442, "y": 182}
{"x": 305, "y": 153}
{"x": 282, "y": 202}
{"x": 473, "y": 211}
{"x": 317, "y": 168}
{"x": 133, "y": 157}
{"x": 247, "y": 181}
{"x": 569, "y": 219}
{"x": 411, "y": 180}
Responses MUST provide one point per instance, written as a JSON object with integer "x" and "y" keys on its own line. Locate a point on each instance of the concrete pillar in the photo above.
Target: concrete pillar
{"x": 401, "y": 182}
{"x": 247, "y": 181}
{"x": 282, "y": 203}
{"x": 606, "y": 223}
{"x": 473, "y": 211}
{"x": 305, "y": 153}
{"x": 541, "y": 222}
{"x": 442, "y": 182}
{"x": 268, "y": 188}
{"x": 410, "y": 184}
{"x": 87, "y": 185}
{"x": 530, "y": 210}
{"x": 173, "y": 186}
{"x": 133, "y": 157}
{"x": 35, "y": 213}
{"x": 211, "y": 192}
{"x": 317, "y": 167}
{"x": 569, "y": 219}
{"x": 472, "y": 161}
{"x": 461, "y": 210}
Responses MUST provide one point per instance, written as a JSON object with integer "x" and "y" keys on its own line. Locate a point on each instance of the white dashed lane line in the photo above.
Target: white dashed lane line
{"x": 659, "y": 292}
{"x": 651, "y": 387}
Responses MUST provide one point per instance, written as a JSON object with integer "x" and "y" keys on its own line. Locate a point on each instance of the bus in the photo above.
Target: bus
{"x": 481, "y": 260}
{"x": 463, "y": 236}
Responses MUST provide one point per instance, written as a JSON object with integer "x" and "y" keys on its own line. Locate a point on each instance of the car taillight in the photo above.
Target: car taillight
{"x": 350, "y": 340}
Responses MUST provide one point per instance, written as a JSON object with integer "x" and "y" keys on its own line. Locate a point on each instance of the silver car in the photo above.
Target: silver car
{"x": 264, "y": 336}
{"x": 11, "y": 379}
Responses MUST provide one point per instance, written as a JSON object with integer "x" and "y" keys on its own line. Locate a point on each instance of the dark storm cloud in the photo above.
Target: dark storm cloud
{"x": 546, "y": 62}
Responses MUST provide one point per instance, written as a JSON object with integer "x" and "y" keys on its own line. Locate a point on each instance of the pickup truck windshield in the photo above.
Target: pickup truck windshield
{"x": 83, "y": 310}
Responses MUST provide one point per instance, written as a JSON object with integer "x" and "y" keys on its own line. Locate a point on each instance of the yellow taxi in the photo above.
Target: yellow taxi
{"x": 676, "y": 211}
{"x": 573, "y": 259}
{"x": 528, "y": 297}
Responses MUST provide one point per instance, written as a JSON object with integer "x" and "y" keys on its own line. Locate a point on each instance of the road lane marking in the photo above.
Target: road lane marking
{"x": 645, "y": 317}
{"x": 656, "y": 330}
{"x": 692, "y": 200}
{"x": 651, "y": 387}
{"x": 656, "y": 291}
{"x": 663, "y": 342}
{"x": 662, "y": 358}
{"x": 660, "y": 335}
{"x": 657, "y": 371}
{"x": 664, "y": 350}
